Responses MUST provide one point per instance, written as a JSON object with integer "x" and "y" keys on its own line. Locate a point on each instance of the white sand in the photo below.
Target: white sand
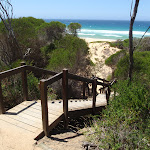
{"x": 98, "y": 53}
{"x": 94, "y": 40}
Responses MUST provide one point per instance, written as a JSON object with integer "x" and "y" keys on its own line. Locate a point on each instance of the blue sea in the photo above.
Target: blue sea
{"x": 107, "y": 29}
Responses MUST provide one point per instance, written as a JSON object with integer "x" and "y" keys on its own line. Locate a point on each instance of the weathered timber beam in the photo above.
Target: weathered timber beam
{"x": 40, "y": 70}
{"x": 65, "y": 96}
{"x": 79, "y": 78}
{"x": 43, "y": 90}
{"x": 24, "y": 83}
{"x": 103, "y": 84}
{"x": 2, "y": 109}
{"x": 53, "y": 79}
{"x": 94, "y": 87}
{"x": 102, "y": 79}
{"x": 11, "y": 72}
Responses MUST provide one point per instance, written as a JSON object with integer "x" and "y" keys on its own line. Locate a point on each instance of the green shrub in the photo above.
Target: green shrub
{"x": 91, "y": 63}
{"x": 141, "y": 68}
{"x": 120, "y": 44}
{"x": 24, "y": 28}
{"x": 144, "y": 44}
{"x": 113, "y": 59}
{"x": 33, "y": 88}
{"x": 12, "y": 87}
{"x": 51, "y": 31}
{"x": 69, "y": 51}
{"x": 125, "y": 122}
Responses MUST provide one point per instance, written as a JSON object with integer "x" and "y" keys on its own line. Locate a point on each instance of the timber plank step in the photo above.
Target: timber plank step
{"x": 28, "y": 114}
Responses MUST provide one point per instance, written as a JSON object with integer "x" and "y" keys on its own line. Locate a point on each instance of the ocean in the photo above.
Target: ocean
{"x": 107, "y": 29}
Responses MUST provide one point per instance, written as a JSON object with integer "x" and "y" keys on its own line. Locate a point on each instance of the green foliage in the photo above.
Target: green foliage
{"x": 68, "y": 52}
{"x": 44, "y": 44}
{"x": 99, "y": 42}
{"x": 61, "y": 58}
{"x": 125, "y": 122}
{"x": 12, "y": 91}
{"x": 51, "y": 31}
{"x": 91, "y": 63}
{"x": 141, "y": 67}
{"x": 12, "y": 87}
{"x": 144, "y": 44}
{"x": 113, "y": 59}
{"x": 73, "y": 27}
{"x": 24, "y": 28}
{"x": 47, "y": 49}
{"x": 33, "y": 89}
{"x": 51, "y": 94}
{"x": 120, "y": 44}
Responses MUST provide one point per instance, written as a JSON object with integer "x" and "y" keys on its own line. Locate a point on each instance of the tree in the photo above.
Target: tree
{"x": 51, "y": 31}
{"x": 131, "y": 38}
{"x": 9, "y": 49}
{"x": 73, "y": 27}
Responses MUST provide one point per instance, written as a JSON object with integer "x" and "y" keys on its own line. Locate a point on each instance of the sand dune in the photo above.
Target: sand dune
{"x": 98, "y": 53}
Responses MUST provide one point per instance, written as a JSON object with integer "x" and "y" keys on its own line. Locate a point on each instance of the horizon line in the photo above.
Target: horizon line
{"x": 90, "y": 19}
{"x": 79, "y": 19}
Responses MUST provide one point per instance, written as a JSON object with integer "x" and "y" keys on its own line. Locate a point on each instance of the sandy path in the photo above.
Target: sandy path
{"x": 68, "y": 141}
{"x": 98, "y": 53}
{"x": 9, "y": 140}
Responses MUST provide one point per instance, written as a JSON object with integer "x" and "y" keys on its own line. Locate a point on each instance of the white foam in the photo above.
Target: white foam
{"x": 85, "y": 34}
{"x": 112, "y": 35}
{"x": 113, "y": 32}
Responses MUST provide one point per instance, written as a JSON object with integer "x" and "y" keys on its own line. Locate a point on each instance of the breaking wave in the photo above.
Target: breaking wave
{"x": 84, "y": 31}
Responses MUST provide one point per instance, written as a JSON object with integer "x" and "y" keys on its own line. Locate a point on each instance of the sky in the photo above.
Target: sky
{"x": 80, "y": 9}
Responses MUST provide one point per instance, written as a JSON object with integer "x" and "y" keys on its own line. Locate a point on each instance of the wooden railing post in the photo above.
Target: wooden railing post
{"x": 84, "y": 85}
{"x": 94, "y": 87}
{"x": 2, "y": 110}
{"x": 24, "y": 83}
{"x": 65, "y": 96}
{"x": 43, "y": 90}
{"x": 88, "y": 89}
{"x": 108, "y": 95}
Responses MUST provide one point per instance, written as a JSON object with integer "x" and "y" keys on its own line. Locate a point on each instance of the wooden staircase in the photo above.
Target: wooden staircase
{"x": 39, "y": 117}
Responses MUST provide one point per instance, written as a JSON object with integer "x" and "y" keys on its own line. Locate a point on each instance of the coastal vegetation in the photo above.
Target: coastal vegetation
{"x": 45, "y": 45}
{"x": 74, "y": 27}
{"x": 125, "y": 122}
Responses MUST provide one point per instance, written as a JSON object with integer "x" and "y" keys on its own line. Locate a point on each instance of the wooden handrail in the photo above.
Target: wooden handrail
{"x": 103, "y": 84}
{"x": 43, "y": 89}
{"x": 52, "y": 79}
{"x": 82, "y": 79}
{"x": 79, "y": 78}
{"x": 102, "y": 79}
{"x": 41, "y": 70}
{"x": 8, "y": 73}
{"x": 11, "y": 72}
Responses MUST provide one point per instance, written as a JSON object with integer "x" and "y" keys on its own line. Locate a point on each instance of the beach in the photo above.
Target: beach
{"x": 99, "y": 51}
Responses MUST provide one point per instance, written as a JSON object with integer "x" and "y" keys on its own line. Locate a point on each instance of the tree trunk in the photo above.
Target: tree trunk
{"x": 131, "y": 39}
